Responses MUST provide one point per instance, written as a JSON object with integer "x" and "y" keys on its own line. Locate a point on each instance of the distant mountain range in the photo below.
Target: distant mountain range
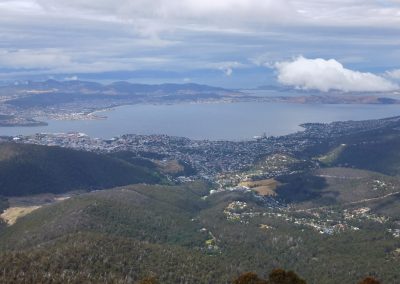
{"x": 114, "y": 90}
{"x": 31, "y": 95}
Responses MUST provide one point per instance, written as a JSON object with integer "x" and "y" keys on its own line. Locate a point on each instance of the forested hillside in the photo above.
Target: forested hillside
{"x": 129, "y": 233}
{"x": 32, "y": 169}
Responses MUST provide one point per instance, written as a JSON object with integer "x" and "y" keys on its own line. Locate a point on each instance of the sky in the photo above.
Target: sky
{"x": 350, "y": 45}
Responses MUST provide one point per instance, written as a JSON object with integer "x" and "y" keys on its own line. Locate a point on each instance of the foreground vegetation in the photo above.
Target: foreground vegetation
{"x": 130, "y": 233}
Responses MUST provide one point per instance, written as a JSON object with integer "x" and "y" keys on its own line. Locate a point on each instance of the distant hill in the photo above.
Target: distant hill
{"x": 32, "y": 169}
{"x": 343, "y": 187}
{"x": 126, "y": 87}
{"x": 360, "y": 165}
{"x": 121, "y": 87}
{"x": 52, "y": 92}
{"x": 375, "y": 150}
{"x": 379, "y": 151}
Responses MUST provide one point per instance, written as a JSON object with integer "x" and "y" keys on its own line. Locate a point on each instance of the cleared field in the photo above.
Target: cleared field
{"x": 11, "y": 214}
{"x": 265, "y": 187}
{"x": 331, "y": 157}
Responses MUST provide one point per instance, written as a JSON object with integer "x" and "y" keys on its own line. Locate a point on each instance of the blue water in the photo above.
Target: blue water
{"x": 235, "y": 121}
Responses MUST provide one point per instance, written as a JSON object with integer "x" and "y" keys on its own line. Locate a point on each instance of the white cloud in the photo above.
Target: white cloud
{"x": 325, "y": 75}
{"x": 72, "y": 78}
{"x": 228, "y": 71}
{"x": 263, "y": 59}
{"x": 227, "y": 67}
{"x": 395, "y": 74}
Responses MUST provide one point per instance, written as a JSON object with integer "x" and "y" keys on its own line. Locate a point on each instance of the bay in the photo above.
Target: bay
{"x": 219, "y": 121}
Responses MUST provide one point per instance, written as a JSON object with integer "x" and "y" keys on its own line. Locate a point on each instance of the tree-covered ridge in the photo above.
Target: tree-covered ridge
{"x": 157, "y": 214}
{"x": 375, "y": 150}
{"x": 173, "y": 233}
{"x": 32, "y": 169}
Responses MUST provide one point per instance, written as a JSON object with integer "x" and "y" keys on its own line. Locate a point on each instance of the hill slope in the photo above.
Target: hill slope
{"x": 124, "y": 234}
{"x": 152, "y": 213}
{"x": 32, "y": 169}
{"x": 375, "y": 150}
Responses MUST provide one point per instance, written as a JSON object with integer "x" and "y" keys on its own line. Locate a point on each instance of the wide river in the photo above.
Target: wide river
{"x": 235, "y": 121}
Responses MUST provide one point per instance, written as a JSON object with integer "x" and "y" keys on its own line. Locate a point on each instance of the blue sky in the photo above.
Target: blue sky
{"x": 230, "y": 43}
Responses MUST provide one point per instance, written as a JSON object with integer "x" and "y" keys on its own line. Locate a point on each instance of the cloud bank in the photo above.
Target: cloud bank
{"x": 43, "y": 38}
{"x": 325, "y": 75}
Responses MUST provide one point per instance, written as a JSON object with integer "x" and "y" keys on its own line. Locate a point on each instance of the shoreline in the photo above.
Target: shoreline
{"x": 146, "y": 121}
{"x": 95, "y": 114}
